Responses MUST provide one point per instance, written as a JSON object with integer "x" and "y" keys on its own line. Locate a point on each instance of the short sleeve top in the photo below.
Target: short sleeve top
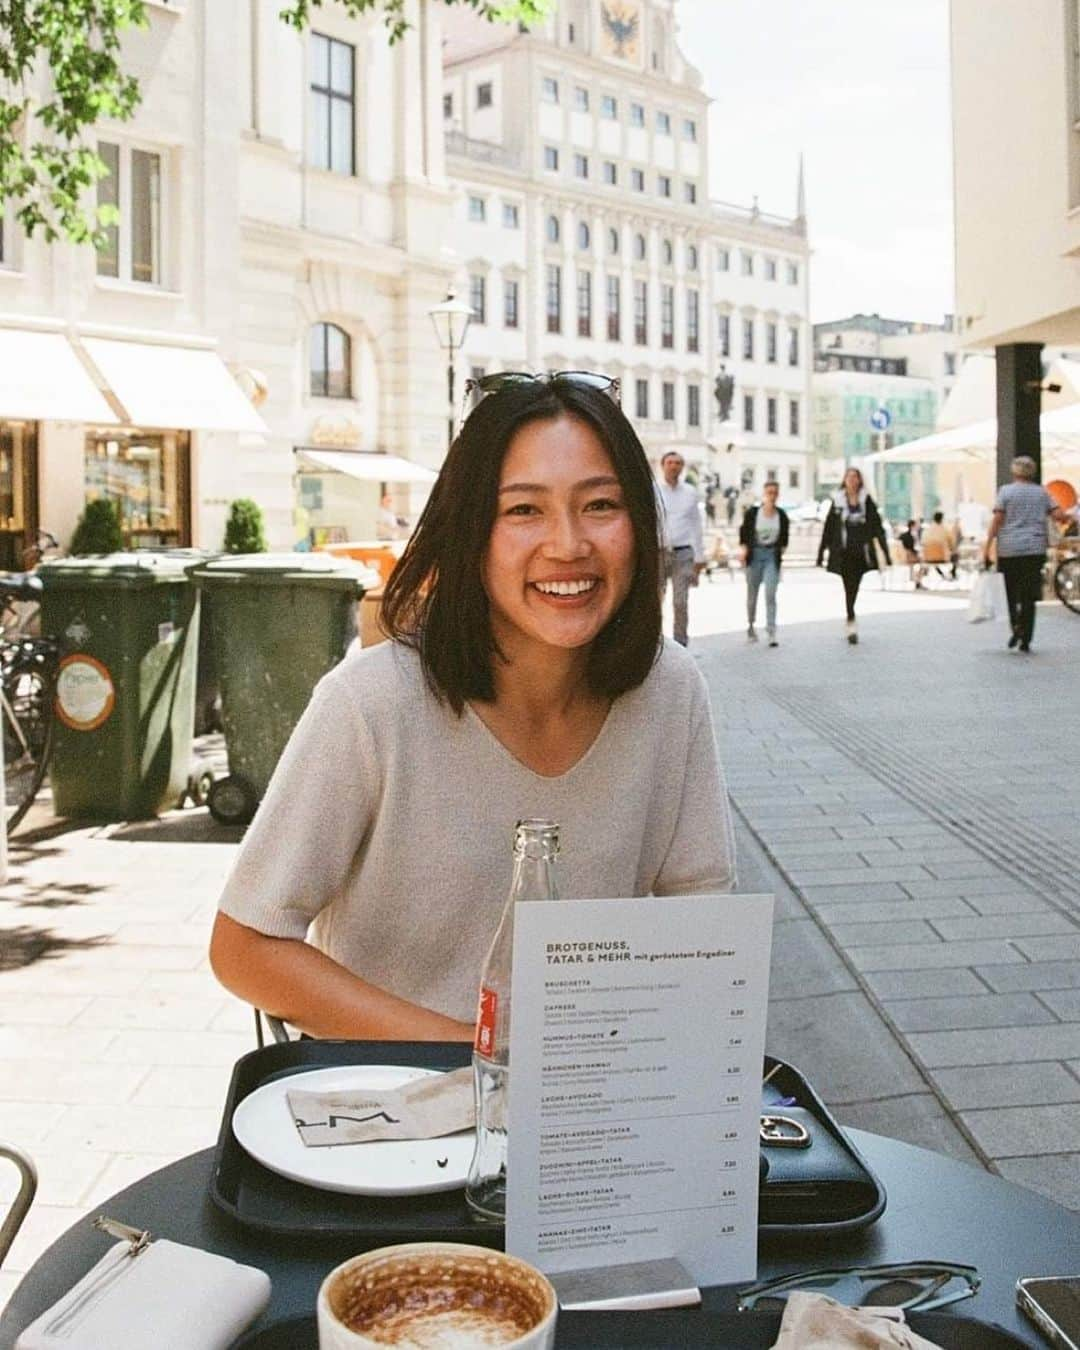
{"x": 1023, "y": 531}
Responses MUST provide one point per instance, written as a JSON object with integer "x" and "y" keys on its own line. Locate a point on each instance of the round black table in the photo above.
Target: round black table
{"x": 937, "y": 1209}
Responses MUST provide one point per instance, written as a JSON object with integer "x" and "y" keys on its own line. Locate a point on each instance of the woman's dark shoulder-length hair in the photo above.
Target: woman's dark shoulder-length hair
{"x": 435, "y": 599}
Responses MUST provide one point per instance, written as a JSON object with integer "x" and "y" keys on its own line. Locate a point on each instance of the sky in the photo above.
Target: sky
{"x": 861, "y": 87}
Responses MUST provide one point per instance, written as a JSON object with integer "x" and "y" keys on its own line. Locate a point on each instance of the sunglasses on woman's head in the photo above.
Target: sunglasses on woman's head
{"x": 496, "y": 383}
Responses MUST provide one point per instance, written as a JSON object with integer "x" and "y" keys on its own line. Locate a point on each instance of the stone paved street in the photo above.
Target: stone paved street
{"x": 908, "y": 800}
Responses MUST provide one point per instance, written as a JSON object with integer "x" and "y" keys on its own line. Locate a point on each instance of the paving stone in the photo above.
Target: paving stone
{"x": 858, "y": 874}
{"x": 122, "y": 1170}
{"x": 1018, "y": 1085}
{"x": 1056, "y": 1176}
{"x": 983, "y": 1010}
{"x": 1008, "y": 903}
{"x": 1063, "y": 1003}
{"x": 1050, "y": 948}
{"x": 926, "y": 956}
{"x": 63, "y": 1178}
{"x": 976, "y": 867}
{"x": 1016, "y": 1131}
{"x": 40, "y": 1229}
{"x": 862, "y": 934}
{"x": 173, "y": 1129}
{"x": 53, "y": 1043}
{"x": 1019, "y": 1045}
{"x": 1004, "y": 925}
{"x": 177, "y": 1047}
{"x": 805, "y": 964}
{"x": 844, "y": 1048}
{"x": 918, "y": 1119}
{"x": 153, "y": 1010}
{"x": 892, "y": 911}
{"x": 202, "y": 1086}
{"x": 966, "y": 887}
{"x": 903, "y": 984}
{"x": 22, "y": 1009}
{"x": 1035, "y": 975}
{"x": 877, "y": 890}
{"x": 28, "y": 1122}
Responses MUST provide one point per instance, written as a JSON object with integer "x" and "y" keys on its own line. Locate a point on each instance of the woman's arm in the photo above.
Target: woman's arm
{"x": 308, "y": 989}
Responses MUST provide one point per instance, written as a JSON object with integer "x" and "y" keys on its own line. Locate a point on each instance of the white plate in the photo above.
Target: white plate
{"x": 263, "y": 1124}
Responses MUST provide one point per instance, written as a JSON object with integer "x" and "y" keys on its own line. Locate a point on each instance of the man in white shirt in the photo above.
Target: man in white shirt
{"x": 684, "y": 544}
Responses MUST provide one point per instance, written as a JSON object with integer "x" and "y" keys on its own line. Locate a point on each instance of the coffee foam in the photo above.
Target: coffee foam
{"x": 441, "y": 1302}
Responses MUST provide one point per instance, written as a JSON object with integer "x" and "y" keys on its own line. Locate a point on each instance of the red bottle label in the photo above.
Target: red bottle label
{"x": 485, "y": 1021}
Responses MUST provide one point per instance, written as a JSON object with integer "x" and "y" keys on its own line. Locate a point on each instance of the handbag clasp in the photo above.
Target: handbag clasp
{"x": 784, "y": 1132}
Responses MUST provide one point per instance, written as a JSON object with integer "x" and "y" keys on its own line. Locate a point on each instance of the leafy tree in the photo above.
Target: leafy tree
{"x": 244, "y": 527}
{"x": 47, "y": 162}
{"x": 98, "y": 529}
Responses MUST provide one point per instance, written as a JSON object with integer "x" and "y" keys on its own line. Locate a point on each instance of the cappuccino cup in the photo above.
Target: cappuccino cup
{"x": 436, "y": 1296}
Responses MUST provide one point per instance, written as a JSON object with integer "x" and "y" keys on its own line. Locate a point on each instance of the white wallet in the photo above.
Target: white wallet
{"x": 159, "y": 1293}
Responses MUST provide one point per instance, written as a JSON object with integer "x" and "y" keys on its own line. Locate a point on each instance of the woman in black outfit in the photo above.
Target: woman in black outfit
{"x": 851, "y": 528}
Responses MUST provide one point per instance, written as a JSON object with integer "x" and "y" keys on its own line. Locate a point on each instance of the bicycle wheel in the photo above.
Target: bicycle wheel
{"x": 1067, "y": 583}
{"x": 26, "y": 706}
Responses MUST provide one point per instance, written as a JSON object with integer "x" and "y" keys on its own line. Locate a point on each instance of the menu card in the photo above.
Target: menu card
{"x": 636, "y": 1047}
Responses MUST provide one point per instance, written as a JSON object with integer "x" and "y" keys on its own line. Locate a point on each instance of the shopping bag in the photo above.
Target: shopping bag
{"x": 987, "y": 597}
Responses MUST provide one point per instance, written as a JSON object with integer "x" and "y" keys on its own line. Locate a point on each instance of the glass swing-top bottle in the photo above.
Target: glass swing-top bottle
{"x": 536, "y": 847}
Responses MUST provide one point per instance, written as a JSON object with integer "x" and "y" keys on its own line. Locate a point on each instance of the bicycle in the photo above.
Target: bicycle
{"x": 1066, "y": 578}
{"x": 28, "y": 670}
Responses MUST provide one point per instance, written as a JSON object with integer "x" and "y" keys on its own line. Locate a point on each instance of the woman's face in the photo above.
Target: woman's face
{"x": 560, "y": 559}
{"x": 852, "y": 482}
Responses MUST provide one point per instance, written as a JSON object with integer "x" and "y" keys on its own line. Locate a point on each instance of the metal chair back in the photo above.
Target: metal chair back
{"x": 27, "y": 1190}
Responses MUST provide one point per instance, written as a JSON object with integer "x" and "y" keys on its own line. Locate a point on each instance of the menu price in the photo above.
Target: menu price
{"x": 636, "y": 1048}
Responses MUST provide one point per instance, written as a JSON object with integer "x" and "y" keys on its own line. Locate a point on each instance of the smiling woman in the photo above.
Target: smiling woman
{"x": 526, "y": 677}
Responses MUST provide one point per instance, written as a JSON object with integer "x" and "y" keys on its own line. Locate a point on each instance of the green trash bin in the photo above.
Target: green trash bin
{"x": 277, "y": 623}
{"x": 128, "y": 628}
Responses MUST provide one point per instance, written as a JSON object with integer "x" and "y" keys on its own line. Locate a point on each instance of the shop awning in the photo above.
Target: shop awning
{"x": 182, "y": 387}
{"x": 369, "y": 466}
{"x": 42, "y": 379}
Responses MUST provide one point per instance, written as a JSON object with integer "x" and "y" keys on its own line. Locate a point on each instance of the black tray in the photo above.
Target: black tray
{"x": 261, "y": 1199}
{"x": 789, "y": 1082}
{"x": 686, "y": 1329}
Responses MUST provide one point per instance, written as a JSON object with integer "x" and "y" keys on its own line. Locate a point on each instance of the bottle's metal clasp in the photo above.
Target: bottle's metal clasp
{"x": 140, "y": 1238}
{"x": 784, "y": 1132}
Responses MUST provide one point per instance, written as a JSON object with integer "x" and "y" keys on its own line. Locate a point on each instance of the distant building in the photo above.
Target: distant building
{"x": 588, "y": 238}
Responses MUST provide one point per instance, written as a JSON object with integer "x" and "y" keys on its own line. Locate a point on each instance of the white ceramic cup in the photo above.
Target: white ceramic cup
{"x": 443, "y": 1295}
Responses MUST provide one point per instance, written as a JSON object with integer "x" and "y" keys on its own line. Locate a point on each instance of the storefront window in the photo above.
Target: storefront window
{"x": 147, "y": 474}
{"x": 18, "y": 521}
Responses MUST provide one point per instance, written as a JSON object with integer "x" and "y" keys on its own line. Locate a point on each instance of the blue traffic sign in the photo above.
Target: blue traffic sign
{"x": 881, "y": 419}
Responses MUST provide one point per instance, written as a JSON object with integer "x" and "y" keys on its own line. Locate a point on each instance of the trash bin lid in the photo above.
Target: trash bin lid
{"x": 271, "y": 569}
{"x": 112, "y": 570}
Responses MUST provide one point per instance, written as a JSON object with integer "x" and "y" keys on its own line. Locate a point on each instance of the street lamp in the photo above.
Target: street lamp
{"x": 451, "y": 321}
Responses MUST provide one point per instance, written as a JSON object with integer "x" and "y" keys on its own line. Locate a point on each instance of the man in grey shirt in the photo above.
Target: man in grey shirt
{"x": 1019, "y": 526}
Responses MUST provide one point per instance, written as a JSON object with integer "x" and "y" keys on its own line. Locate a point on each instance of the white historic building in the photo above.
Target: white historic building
{"x": 587, "y": 237}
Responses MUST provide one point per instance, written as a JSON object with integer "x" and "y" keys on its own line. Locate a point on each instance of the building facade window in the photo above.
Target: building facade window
{"x": 747, "y": 264}
{"x": 584, "y": 238}
{"x": 549, "y": 89}
{"x": 554, "y": 298}
{"x": 793, "y": 345}
{"x": 637, "y": 114}
{"x": 148, "y": 476}
{"x": 793, "y": 478}
{"x": 693, "y": 405}
{"x": 668, "y": 400}
{"x": 689, "y": 129}
{"x": 663, "y": 184}
{"x": 584, "y": 304}
{"x": 770, "y": 269}
{"x": 581, "y": 99}
{"x": 690, "y": 194}
{"x": 793, "y": 421}
{"x": 551, "y": 158}
{"x": 613, "y": 241}
{"x": 667, "y": 316}
{"x": 609, "y": 107}
{"x": 637, "y": 179}
{"x": 748, "y": 339}
{"x": 448, "y": 105}
{"x": 511, "y": 216}
{"x": 639, "y": 248}
{"x": 770, "y": 416}
{"x": 329, "y": 361}
{"x": 551, "y": 229}
{"x": 477, "y": 209}
{"x": 770, "y": 343}
{"x": 641, "y": 313}
{"x": 723, "y": 334}
{"x": 723, "y": 260}
{"x": 614, "y": 309}
{"x": 641, "y": 398}
{"x": 332, "y": 136}
{"x": 950, "y": 364}
{"x": 611, "y": 173}
{"x": 485, "y": 94}
{"x": 748, "y": 412}
{"x": 793, "y": 273}
{"x": 133, "y": 248}
{"x": 511, "y": 302}
{"x": 667, "y": 253}
{"x": 581, "y": 166}
{"x": 663, "y": 124}
{"x": 693, "y": 321}
{"x": 478, "y": 296}
{"x": 691, "y": 258}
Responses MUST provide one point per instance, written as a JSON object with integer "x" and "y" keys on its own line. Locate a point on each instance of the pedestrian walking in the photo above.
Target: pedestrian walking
{"x": 525, "y": 676}
{"x": 684, "y": 541}
{"x": 1018, "y": 524}
{"x": 763, "y": 537}
{"x": 909, "y": 542}
{"x": 852, "y": 529}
